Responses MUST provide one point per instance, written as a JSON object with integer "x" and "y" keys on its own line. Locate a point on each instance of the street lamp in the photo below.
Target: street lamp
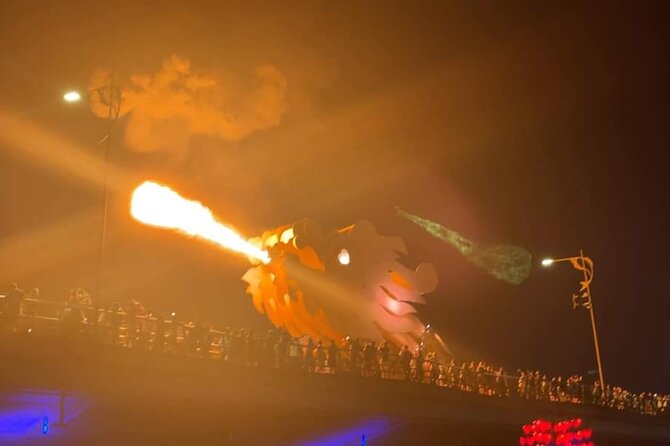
{"x": 583, "y": 298}
{"x": 72, "y": 96}
{"x": 109, "y": 95}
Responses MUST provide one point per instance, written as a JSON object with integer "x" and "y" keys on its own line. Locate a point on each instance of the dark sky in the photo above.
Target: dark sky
{"x": 540, "y": 124}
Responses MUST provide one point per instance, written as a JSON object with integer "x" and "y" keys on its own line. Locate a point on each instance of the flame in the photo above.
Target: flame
{"x": 157, "y": 205}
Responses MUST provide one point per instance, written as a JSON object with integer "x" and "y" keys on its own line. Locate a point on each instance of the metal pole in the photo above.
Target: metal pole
{"x": 105, "y": 204}
{"x": 103, "y": 228}
{"x": 593, "y": 326}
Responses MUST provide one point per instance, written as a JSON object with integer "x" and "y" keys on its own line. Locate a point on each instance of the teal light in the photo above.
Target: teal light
{"x": 504, "y": 262}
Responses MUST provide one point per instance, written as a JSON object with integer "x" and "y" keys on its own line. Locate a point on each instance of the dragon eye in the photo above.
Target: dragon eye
{"x": 343, "y": 257}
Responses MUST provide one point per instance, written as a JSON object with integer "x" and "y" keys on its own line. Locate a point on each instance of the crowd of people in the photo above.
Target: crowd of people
{"x": 134, "y": 326}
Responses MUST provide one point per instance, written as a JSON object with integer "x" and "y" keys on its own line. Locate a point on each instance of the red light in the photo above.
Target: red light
{"x": 540, "y": 433}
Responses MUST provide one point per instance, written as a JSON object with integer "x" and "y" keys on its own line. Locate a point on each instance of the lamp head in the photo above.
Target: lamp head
{"x": 72, "y": 96}
{"x": 547, "y": 262}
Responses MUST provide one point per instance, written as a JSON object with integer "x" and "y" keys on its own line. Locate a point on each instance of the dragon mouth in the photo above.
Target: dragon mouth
{"x": 395, "y": 306}
{"x": 389, "y": 293}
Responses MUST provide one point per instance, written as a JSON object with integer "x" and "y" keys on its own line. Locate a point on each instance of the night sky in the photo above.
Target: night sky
{"x": 539, "y": 124}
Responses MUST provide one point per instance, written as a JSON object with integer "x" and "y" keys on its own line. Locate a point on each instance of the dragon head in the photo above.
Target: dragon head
{"x": 346, "y": 282}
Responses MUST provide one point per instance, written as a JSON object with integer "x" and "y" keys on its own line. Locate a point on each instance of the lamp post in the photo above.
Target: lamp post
{"x": 109, "y": 95}
{"x": 583, "y": 298}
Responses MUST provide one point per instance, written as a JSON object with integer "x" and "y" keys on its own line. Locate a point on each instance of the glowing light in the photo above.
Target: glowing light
{"x": 157, "y": 205}
{"x": 394, "y": 306}
{"x": 173, "y": 314}
{"x": 72, "y": 96}
{"x": 343, "y": 257}
{"x": 286, "y": 236}
{"x": 28, "y": 413}
{"x": 505, "y": 262}
{"x": 363, "y": 433}
{"x": 547, "y": 262}
{"x": 272, "y": 240}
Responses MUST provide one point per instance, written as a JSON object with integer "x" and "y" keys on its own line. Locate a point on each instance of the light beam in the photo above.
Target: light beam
{"x": 504, "y": 262}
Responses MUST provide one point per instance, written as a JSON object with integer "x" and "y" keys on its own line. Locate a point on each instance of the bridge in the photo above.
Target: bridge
{"x": 113, "y": 393}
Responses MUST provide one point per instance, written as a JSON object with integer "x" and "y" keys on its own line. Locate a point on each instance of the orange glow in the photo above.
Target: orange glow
{"x": 157, "y": 205}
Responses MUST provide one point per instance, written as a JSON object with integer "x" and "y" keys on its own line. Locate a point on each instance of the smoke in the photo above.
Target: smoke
{"x": 167, "y": 109}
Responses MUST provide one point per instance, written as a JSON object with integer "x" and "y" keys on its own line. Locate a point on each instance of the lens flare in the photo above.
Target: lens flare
{"x": 157, "y": 205}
